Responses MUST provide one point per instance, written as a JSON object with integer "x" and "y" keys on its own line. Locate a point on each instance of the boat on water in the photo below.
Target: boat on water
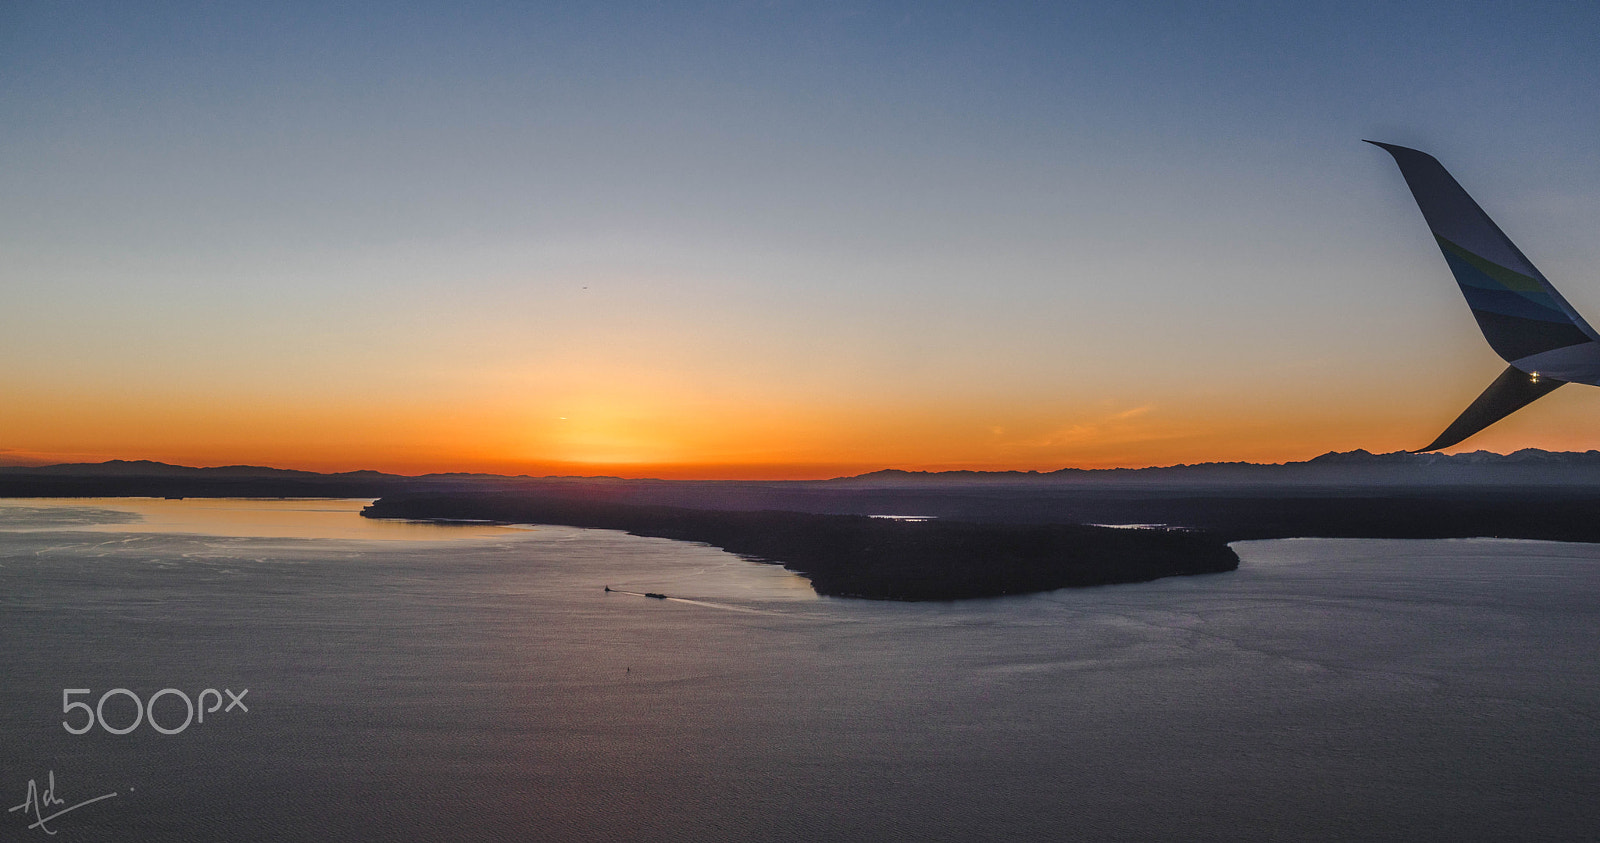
{"x": 655, "y": 594}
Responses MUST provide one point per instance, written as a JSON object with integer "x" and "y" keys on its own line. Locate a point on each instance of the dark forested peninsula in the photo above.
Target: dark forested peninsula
{"x": 861, "y": 556}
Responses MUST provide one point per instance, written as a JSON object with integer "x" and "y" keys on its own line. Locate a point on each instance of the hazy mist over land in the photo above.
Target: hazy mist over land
{"x": 1528, "y": 494}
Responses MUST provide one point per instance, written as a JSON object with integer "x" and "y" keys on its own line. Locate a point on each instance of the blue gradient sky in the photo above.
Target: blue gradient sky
{"x": 770, "y": 239}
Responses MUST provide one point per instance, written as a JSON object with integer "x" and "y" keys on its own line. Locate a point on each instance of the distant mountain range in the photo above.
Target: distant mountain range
{"x": 1529, "y": 466}
{"x": 150, "y": 468}
{"x": 1360, "y": 467}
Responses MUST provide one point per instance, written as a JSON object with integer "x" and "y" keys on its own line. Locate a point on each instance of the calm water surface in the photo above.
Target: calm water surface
{"x": 419, "y": 682}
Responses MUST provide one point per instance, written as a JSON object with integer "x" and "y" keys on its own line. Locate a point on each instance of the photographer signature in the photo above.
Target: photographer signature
{"x": 37, "y": 803}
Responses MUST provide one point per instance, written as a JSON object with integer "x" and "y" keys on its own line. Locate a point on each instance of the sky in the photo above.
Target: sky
{"x": 770, "y": 239}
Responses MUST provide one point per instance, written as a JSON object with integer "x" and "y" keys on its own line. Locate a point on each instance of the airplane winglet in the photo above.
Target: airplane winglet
{"x": 1510, "y": 392}
{"x": 1525, "y": 320}
{"x": 1520, "y": 313}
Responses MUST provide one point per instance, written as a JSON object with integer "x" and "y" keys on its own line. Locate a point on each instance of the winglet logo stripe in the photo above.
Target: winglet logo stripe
{"x": 1503, "y": 277}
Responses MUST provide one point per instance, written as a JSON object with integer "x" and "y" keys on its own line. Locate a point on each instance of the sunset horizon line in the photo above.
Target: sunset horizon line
{"x": 694, "y": 471}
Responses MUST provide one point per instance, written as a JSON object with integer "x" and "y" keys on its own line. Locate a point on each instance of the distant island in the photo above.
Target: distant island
{"x": 1040, "y": 526}
{"x": 862, "y": 556}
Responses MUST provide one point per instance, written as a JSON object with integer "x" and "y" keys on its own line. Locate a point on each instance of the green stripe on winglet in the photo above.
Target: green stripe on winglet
{"x": 1512, "y": 280}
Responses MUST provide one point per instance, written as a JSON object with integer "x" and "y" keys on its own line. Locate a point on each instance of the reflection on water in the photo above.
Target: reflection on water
{"x": 486, "y": 687}
{"x": 274, "y": 518}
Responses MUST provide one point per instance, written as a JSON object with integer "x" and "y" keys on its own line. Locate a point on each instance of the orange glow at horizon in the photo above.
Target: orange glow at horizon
{"x": 700, "y": 437}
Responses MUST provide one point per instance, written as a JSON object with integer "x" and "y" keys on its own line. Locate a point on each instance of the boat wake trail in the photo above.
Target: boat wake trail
{"x": 706, "y": 603}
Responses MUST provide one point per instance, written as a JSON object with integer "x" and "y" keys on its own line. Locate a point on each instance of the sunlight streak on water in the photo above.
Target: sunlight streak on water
{"x": 305, "y": 518}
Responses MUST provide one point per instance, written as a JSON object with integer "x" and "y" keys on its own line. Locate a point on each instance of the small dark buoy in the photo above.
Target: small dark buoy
{"x": 608, "y": 588}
